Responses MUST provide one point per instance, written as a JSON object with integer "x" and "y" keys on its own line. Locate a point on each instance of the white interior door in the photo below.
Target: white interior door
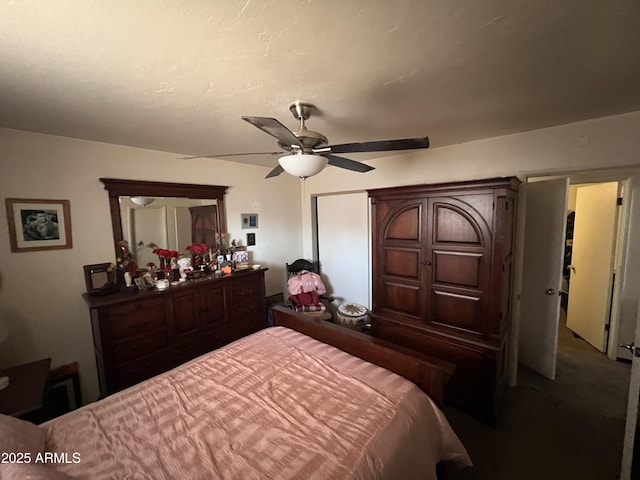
{"x": 630, "y": 462}
{"x": 343, "y": 228}
{"x": 150, "y": 226}
{"x": 183, "y": 229}
{"x": 591, "y": 270}
{"x": 545, "y": 226}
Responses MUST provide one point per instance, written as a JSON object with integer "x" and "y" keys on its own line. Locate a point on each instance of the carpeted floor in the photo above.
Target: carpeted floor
{"x": 568, "y": 428}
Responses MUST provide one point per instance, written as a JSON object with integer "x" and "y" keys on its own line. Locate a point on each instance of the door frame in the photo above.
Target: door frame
{"x": 619, "y": 262}
{"x": 580, "y": 176}
{"x": 630, "y": 468}
{"x": 629, "y": 223}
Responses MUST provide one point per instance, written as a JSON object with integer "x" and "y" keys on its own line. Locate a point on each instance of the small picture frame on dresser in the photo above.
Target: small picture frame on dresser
{"x": 140, "y": 283}
{"x": 100, "y": 278}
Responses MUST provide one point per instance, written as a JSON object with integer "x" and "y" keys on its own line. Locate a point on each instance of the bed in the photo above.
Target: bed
{"x": 288, "y": 402}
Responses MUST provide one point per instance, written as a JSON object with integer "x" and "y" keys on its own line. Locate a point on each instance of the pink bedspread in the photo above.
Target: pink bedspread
{"x": 274, "y": 405}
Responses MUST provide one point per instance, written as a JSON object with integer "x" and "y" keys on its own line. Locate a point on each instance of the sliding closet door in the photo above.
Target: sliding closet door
{"x": 343, "y": 246}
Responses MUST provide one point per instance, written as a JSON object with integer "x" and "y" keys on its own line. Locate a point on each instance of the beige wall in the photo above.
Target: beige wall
{"x": 40, "y": 292}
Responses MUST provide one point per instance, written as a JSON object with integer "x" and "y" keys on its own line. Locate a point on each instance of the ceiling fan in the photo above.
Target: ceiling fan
{"x": 306, "y": 153}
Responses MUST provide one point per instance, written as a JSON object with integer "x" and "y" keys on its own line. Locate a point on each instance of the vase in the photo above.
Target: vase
{"x": 164, "y": 270}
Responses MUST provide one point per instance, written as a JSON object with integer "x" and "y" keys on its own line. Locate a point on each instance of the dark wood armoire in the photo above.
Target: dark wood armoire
{"x": 442, "y": 269}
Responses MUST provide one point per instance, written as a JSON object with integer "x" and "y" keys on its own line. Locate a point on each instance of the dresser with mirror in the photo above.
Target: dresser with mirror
{"x": 138, "y": 335}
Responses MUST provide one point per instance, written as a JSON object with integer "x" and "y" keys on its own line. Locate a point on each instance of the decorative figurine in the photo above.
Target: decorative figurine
{"x": 184, "y": 265}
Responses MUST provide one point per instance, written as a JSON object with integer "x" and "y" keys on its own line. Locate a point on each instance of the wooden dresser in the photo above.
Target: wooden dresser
{"x": 137, "y": 336}
{"x": 442, "y": 262}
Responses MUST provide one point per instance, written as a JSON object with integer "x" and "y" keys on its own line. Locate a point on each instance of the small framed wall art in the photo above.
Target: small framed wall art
{"x": 36, "y": 224}
{"x": 249, "y": 220}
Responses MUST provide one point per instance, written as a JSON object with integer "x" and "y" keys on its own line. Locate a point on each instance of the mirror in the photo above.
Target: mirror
{"x": 149, "y": 215}
{"x": 169, "y": 223}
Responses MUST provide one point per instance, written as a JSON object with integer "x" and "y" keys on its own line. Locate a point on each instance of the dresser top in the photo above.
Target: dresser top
{"x": 97, "y": 301}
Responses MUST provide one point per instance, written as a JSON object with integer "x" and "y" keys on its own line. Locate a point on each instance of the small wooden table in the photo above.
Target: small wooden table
{"x": 26, "y": 388}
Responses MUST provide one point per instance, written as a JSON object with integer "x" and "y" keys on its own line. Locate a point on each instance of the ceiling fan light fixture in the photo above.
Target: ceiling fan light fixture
{"x": 142, "y": 201}
{"x": 303, "y": 165}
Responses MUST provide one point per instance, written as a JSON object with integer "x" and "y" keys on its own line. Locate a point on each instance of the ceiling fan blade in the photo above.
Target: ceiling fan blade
{"x": 275, "y": 172}
{"x": 232, "y": 155}
{"x": 274, "y": 128}
{"x": 378, "y": 146}
{"x": 348, "y": 164}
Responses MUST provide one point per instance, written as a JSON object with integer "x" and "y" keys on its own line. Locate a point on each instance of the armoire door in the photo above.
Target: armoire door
{"x": 459, "y": 247}
{"x": 401, "y": 259}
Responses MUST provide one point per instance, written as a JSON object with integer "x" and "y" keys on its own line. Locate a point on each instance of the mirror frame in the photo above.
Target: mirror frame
{"x": 130, "y": 188}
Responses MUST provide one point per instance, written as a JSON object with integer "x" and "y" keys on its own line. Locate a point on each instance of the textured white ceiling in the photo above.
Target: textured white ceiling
{"x": 176, "y": 75}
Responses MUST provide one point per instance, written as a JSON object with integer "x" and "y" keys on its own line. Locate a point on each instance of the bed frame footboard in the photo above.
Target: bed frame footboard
{"x": 430, "y": 374}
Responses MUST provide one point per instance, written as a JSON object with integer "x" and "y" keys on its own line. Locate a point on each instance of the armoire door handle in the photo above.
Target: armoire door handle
{"x": 426, "y": 262}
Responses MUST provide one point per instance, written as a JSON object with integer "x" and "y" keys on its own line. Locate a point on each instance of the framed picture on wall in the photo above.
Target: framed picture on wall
{"x": 36, "y": 224}
{"x": 249, "y": 220}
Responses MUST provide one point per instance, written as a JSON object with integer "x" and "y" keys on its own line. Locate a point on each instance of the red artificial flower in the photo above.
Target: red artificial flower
{"x": 165, "y": 253}
{"x": 197, "y": 248}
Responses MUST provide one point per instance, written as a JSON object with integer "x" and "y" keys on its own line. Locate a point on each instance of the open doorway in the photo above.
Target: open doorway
{"x": 551, "y": 358}
{"x": 590, "y": 261}
{"x": 585, "y": 375}
{"x": 543, "y": 243}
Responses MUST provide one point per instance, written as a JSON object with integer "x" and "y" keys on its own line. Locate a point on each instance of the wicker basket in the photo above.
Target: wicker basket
{"x": 352, "y": 315}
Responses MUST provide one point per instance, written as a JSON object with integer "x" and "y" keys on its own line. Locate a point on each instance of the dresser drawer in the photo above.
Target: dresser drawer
{"x": 134, "y": 318}
{"x": 247, "y": 290}
{"x": 185, "y": 351}
{"x": 249, "y": 309}
{"x": 141, "y": 369}
{"x": 213, "y": 339}
{"x": 140, "y": 346}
